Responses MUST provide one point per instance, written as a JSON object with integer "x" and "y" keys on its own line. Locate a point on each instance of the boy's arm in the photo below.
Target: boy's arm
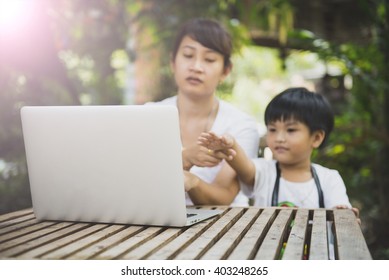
{"x": 225, "y": 147}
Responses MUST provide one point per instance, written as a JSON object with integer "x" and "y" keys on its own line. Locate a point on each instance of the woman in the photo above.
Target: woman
{"x": 200, "y": 62}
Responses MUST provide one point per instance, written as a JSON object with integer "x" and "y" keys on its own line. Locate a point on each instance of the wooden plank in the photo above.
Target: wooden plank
{"x": 41, "y": 251}
{"x": 294, "y": 249}
{"x": 4, "y": 226}
{"x": 173, "y": 248}
{"x": 15, "y": 214}
{"x": 350, "y": 243}
{"x": 25, "y": 228}
{"x": 199, "y": 246}
{"x": 225, "y": 245}
{"x": 147, "y": 248}
{"x": 318, "y": 247}
{"x": 15, "y": 241}
{"x": 129, "y": 244}
{"x": 27, "y": 242}
{"x": 248, "y": 246}
{"x": 97, "y": 248}
{"x": 91, "y": 236}
{"x": 238, "y": 233}
{"x": 272, "y": 243}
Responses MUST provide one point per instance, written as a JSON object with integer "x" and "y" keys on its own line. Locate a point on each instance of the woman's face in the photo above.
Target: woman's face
{"x": 197, "y": 69}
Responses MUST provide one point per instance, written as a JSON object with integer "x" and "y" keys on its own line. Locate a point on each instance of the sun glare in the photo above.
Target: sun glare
{"x": 13, "y": 13}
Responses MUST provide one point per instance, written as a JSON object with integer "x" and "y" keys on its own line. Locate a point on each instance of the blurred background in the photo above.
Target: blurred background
{"x": 96, "y": 52}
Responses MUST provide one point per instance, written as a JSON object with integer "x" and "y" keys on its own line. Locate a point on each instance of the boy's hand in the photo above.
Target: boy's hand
{"x": 214, "y": 142}
{"x": 354, "y": 209}
{"x": 219, "y": 146}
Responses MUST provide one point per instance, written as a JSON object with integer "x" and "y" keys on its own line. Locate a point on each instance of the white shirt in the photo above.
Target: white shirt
{"x": 303, "y": 195}
{"x": 239, "y": 125}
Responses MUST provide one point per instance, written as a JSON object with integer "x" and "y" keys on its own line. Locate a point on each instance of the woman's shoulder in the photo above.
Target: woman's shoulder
{"x": 230, "y": 111}
{"x": 226, "y": 106}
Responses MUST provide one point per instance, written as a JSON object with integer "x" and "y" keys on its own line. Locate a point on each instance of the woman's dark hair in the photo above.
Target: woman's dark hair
{"x": 210, "y": 34}
{"x": 304, "y": 106}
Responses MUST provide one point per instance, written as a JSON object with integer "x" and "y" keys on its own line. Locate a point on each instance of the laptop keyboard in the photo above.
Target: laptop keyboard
{"x": 190, "y": 215}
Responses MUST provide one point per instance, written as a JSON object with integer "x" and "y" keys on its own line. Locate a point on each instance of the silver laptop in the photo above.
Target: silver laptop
{"x": 109, "y": 164}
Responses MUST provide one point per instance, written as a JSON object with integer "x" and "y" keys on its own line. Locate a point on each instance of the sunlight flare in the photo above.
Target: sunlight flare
{"x": 14, "y": 13}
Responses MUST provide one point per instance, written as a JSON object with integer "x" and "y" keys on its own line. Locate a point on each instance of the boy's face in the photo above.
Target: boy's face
{"x": 291, "y": 142}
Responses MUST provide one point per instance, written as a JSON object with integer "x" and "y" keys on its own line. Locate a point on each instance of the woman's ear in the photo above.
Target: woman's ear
{"x": 172, "y": 65}
{"x": 318, "y": 138}
{"x": 226, "y": 72}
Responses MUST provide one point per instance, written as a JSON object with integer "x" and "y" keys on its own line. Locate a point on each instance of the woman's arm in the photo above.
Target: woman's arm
{"x": 222, "y": 191}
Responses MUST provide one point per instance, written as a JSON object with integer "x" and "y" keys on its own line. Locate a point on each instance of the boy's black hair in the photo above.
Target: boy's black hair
{"x": 210, "y": 34}
{"x": 304, "y": 106}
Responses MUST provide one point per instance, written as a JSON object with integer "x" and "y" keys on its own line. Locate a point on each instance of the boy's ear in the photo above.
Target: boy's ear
{"x": 318, "y": 138}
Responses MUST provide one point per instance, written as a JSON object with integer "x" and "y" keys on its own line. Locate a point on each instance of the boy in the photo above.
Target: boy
{"x": 297, "y": 121}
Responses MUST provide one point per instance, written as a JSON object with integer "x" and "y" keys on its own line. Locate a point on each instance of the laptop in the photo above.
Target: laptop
{"x": 107, "y": 164}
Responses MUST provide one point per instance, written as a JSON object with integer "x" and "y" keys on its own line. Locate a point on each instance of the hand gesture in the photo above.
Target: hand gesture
{"x": 200, "y": 156}
{"x": 220, "y": 145}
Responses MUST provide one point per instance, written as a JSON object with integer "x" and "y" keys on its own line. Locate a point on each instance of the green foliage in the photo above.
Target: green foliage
{"x": 14, "y": 188}
{"x": 359, "y": 145}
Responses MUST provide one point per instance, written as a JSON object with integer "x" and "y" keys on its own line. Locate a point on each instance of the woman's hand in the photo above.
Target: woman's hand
{"x": 199, "y": 156}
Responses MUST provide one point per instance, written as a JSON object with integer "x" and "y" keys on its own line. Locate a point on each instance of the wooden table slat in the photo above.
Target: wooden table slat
{"x": 348, "y": 236}
{"x": 91, "y": 235}
{"x": 176, "y": 246}
{"x": 196, "y": 249}
{"x": 318, "y": 248}
{"x": 248, "y": 246}
{"x": 23, "y": 229}
{"x": 132, "y": 242}
{"x": 38, "y": 238}
{"x": 147, "y": 248}
{"x": 96, "y": 250}
{"x": 13, "y": 215}
{"x": 42, "y": 251}
{"x": 294, "y": 249}
{"x": 4, "y": 227}
{"x": 239, "y": 233}
{"x": 273, "y": 241}
{"x": 226, "y": 244}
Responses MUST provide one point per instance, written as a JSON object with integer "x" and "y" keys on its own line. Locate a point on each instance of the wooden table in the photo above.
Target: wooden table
{"x": 238, "y": 233}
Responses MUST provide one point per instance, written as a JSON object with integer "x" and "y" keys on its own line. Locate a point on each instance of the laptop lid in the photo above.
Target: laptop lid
{"x": 113, "y": 164}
